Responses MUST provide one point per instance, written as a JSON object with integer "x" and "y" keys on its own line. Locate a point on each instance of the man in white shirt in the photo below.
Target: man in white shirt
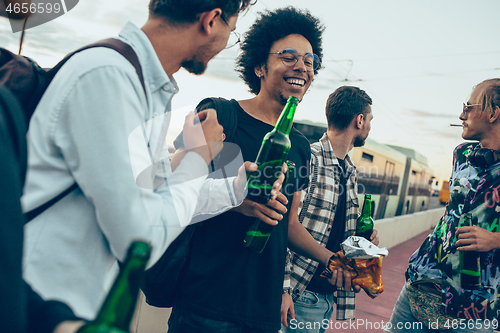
{"x": 97, "y": 126}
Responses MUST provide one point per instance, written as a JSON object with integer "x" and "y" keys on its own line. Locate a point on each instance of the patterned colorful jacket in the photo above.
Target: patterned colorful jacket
{"x": 475, "y": 191}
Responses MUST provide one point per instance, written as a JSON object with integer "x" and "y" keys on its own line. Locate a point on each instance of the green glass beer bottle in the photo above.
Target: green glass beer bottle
{"x": 273, "y": 152}
{"x": 259, "y": 232}
{"x": 470, "y": 269}
{"x": 364, "y": 224}
{"x": 118, "y": 308}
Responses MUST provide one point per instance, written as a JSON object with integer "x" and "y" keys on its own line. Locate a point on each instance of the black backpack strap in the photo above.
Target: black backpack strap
{"x": 227, "y": 115}
{"x": 39, "y": 210}
{"x": 128, "y": 53}
{"x": 44, "y": 77}
{"x": 121, "y": 47}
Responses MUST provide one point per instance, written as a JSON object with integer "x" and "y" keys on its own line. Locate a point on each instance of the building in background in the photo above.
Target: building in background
{"x": 398, "y": 178}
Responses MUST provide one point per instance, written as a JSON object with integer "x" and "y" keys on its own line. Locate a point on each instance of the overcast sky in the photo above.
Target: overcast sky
{"x": 418, "y": 60}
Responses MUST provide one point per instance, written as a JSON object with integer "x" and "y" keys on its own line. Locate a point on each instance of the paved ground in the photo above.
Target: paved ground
{"x": 371, "y": 313}
{"x": 434, "y": 203}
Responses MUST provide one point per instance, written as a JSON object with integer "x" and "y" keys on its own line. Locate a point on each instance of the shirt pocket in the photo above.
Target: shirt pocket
{"x": 323, "y": 196}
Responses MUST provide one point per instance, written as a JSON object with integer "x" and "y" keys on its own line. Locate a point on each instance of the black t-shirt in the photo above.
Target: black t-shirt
{"x": 320, "y": 284}
{"x": 227, "y": 281}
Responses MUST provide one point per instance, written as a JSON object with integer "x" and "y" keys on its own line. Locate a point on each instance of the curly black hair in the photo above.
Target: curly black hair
{"x": 188, "y": 11}
{"x": 267, "y": 29}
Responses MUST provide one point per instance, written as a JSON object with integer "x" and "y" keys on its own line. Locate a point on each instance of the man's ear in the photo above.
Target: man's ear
{"x": 259, "y": 71}
{"x": 495, "y": 114}
{"x": 359, "y": 120}
{"x": 209, "y": 19}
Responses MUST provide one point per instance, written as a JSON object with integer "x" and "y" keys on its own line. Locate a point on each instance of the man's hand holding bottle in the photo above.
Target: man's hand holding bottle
{"x": 270, "y": 213}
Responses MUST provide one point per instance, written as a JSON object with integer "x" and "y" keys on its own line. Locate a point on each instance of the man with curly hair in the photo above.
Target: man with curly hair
{"x": 228, "y": 288}
{"x": 92, "y": 131}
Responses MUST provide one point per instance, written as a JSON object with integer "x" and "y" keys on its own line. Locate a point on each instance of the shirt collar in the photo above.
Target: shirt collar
{"x": 329, "y": 157}
{"x": 154, "y": 74}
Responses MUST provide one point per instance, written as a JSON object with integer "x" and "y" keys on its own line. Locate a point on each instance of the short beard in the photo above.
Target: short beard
{"x": 194, "y": 67}
{"x": 359, "y": 141}
{"x": 284, "y": 100}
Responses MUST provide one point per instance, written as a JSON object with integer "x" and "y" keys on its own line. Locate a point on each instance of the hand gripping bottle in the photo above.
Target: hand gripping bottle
{"x": 272, "y": 154}
{"x": 470, "y": 269}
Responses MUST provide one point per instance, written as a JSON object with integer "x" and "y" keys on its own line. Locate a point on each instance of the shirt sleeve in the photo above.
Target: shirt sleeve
{"x": 288, "y": 270}
{"x": 304, "y": 179}
{"x": 217, "y": 196}
{"x": 102, "y": 141}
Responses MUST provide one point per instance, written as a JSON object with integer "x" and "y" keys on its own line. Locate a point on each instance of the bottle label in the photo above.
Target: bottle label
{"x": 265, "y": 175}
{"x": 469, "y": 272}
{"x": 364, "y": 227}
{"x": 260, "y": 182}
{"x": 258, "y": 233}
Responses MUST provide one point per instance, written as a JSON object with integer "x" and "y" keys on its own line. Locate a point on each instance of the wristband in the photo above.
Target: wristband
{"x": 328, "y": 272}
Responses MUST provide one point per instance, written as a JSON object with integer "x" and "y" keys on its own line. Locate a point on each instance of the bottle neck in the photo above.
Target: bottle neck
{"x": 285, "y": 121}
{"x": 467, "y": 220}
{"x": 367, "y": 207}
{"x": 119, "y": 306}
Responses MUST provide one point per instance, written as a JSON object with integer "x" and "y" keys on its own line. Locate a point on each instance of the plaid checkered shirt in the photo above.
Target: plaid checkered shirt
{"x": 324, "y": 191}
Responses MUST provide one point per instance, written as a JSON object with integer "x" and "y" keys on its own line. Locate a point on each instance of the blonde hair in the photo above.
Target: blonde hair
{"x": 489, "y": 96}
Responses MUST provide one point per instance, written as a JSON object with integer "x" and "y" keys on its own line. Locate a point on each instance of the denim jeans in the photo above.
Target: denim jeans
{"x": 184, "y": 321}
{"x": 402, "y": 320}
{"x": 313, "y": 312}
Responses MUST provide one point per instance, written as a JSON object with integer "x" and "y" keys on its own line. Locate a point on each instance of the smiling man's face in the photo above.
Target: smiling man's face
{"x": 283, "y": 81}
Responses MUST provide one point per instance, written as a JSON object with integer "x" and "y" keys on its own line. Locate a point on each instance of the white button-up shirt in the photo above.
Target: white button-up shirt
{"x": 94, "y": 125}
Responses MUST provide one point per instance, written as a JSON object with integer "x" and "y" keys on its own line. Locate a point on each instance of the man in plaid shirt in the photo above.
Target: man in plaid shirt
{"x": 329, "y": 210}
